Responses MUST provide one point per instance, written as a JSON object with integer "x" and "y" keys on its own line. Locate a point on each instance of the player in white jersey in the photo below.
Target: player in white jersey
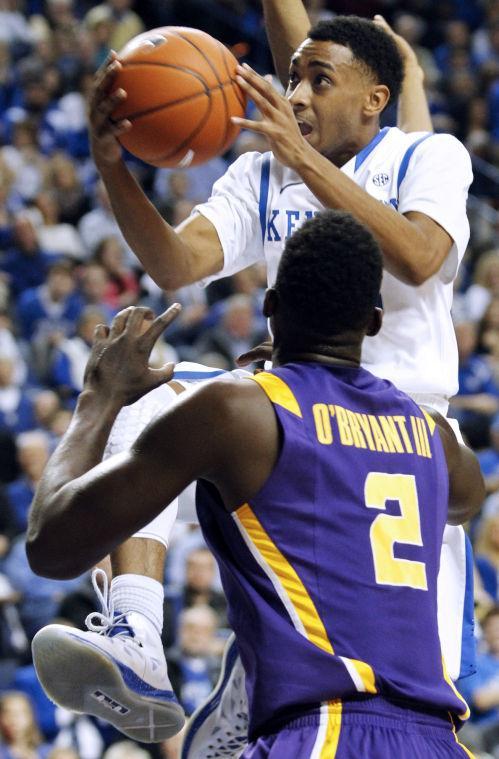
{"x": 336, "y": 157}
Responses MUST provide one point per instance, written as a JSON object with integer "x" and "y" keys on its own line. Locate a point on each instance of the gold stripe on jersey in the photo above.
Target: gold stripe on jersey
{"x": 328, "y": 735}
{"x": 291, "y": 583}
{"x": 430, "y": 422}
{"x": 278, "y": 392}
{"x": 466, "y": 713}
{"x": 466, "y": 750}
{"x": 303, "y": 612}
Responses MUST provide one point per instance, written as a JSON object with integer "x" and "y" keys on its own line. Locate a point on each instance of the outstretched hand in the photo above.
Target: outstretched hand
{"x": 103, "y": 99}
{"x": 261, "y": 352}
{"x": 278, "y": 122}
{"x": 118, "y": 368}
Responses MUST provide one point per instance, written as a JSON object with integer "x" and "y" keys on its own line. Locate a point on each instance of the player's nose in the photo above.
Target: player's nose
{"x": 299, "y": 97}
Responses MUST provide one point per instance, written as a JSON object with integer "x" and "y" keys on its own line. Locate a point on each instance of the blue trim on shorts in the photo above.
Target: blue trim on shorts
{"x": 264, "y": 193}
{"x": 468, "y": 640}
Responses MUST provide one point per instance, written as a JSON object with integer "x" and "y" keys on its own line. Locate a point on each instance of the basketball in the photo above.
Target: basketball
{"x": 181, "y": 93}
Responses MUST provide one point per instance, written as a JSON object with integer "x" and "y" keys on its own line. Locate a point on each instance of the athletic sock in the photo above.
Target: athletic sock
{"x": 137, "y": 593}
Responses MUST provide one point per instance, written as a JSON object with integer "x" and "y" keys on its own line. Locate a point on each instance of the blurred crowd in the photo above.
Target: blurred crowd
{"x": 64, "y": 267}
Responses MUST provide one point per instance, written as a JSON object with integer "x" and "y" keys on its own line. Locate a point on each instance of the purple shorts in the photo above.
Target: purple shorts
{"x": 370, "y": 729}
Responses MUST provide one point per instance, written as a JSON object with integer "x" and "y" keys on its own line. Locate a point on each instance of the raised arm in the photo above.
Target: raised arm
{"x": 287, "y": 24}
{"x": 466, "y": 485}
{"x": 172, "y": 257}
{"x": 413, "y": 113}
{"x": 84, "y": 509}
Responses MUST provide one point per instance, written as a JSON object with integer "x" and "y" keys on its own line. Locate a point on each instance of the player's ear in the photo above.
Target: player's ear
{"x": 375, "y": 322}
{"x": 376, "y": 99}
{"x": 270, "y": 302}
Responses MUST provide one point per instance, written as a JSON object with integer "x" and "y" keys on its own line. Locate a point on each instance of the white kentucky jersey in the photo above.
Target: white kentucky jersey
{"x": 259, "y": 203}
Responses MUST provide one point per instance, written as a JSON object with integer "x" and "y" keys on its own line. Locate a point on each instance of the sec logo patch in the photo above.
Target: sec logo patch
{"x": 380, "y": 180}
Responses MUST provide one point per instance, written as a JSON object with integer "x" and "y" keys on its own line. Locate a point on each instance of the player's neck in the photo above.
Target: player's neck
{"x": 331, "y": 354}
{"x": 353, "y": 147}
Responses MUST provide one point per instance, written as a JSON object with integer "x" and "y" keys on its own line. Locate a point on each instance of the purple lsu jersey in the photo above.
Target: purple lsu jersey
{"x": 330, "y": 571}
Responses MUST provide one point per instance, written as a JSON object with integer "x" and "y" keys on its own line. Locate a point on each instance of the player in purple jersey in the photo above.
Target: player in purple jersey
{"x": 324, "y": 494}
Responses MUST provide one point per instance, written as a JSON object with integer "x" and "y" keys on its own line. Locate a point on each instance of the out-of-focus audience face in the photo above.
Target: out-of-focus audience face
{"x": 32, "y": 453}
{"x": 197, "y": 630}
{"x": 491, "y": 633}
{"x": 200, "y": 570}
{"x": 17, "y": 721}
{"x": 466, "y": 335}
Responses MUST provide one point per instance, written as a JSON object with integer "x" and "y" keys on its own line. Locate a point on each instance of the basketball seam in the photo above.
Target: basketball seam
{"x": 194, "y": 133}
{"x": 220, "y": 84}
{"x": 139, "y": 114}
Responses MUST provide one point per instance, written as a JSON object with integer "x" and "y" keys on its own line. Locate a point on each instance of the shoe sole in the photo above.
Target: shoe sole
{"x": 76, "y": 664}
{"x": 202, "y": 713}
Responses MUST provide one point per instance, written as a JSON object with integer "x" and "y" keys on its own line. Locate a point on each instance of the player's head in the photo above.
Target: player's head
{"x": 341, "y": 78}
{"x": 327, "y": 284}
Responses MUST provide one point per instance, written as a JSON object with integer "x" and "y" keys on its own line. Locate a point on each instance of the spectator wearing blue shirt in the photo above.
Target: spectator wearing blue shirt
{"x": 25, "y": 264}
{"x": 33, "y": 451}
{"x": 478, "y": 399}
{"x": 489, "y": 459}
{"x": 481, "y": 690}
{"x": 16, "y": 406}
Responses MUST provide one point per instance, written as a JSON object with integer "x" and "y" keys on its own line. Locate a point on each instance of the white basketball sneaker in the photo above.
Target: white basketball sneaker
{"x": 116, "y": 671}
{"x": 218, "y": 729}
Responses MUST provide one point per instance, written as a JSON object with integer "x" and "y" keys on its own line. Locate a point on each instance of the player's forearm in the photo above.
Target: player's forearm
{"x": 55, "y": 537}
{"x": 413, "y": 111}
{"x": 408, "y": 254}
{"x": 287, "y": 24}
{"x": 158, "y": 247}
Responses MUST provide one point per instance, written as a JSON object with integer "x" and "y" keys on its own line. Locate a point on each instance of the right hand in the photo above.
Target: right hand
{"x": 406, "y": 52}
{"x": 262, "y": 352}
{"x": 103, "y": 99}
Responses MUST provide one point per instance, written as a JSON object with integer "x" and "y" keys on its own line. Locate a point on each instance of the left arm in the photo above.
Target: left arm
{"x": 414, "y": 245}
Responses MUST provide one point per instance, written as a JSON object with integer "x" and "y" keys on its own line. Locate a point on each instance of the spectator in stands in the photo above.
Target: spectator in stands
{"x": 126, "y": 750}
{"x": 122, "y": 285}
{"x": 193, "y": 668}
{"x": 481, "y": 690}
{"x": 478, "y": 398}
{"x": 61, "y": 177}
{"x": 72, "y": 353}
{"x": 485, "y": 285}
{"x": 58, "y": 237}
{"x": 16, "y": 405}
{"x": 489, "y": 459}
{"x": 25, "y": 263}
{"x": 94, "y": 286}
{"x": 237, "y": 332}
{"x": 20, "y": 733}
{"x": 99, "y": 224}
{"x": 32, "y": 452}
{"x": 24, "y": 159}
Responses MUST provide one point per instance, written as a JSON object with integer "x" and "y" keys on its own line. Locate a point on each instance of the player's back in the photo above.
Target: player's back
{"x": 331, "y": 570}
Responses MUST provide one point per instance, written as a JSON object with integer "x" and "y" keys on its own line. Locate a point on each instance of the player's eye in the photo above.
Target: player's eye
{"x": 293, "y": 80}
{"x": 322, "y": 80}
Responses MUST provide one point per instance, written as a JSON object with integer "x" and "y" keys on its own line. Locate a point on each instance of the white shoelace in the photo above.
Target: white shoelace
{"x": 106, "y": 621}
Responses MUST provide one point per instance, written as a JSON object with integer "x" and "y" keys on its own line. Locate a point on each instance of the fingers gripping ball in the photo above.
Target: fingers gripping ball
{"x": 181, "y": 93}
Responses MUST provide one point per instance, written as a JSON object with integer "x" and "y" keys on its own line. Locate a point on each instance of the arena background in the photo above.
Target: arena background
{"x": 64, "y": 266}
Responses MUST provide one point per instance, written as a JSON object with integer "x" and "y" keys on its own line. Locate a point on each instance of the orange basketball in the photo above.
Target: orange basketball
{"x": 181, "y": 93}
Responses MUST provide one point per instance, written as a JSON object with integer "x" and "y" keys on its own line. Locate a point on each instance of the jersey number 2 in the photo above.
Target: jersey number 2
{"x": 387, "y": 529}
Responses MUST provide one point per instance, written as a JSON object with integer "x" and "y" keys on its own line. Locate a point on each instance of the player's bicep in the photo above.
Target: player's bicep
{"x": 205, "y": 252}
{"x": 438, "y": 241}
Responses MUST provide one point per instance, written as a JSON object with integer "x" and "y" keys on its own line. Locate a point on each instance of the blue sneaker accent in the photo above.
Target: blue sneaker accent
{"x": 133, "y": 681}
{"x": 213, "y": 701}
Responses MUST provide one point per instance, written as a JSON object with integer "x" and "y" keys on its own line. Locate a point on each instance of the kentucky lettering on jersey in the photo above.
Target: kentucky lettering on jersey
{"x": 330, "y": 571}
{"x": 258, "y": 204}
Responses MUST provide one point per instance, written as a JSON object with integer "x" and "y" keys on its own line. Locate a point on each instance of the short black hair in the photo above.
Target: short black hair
{"x": 329, "y": 276}
{"x": 369, "y": 44}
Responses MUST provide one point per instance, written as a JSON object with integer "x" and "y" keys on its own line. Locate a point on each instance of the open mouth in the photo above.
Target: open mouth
{"x": 305, "y": 129}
